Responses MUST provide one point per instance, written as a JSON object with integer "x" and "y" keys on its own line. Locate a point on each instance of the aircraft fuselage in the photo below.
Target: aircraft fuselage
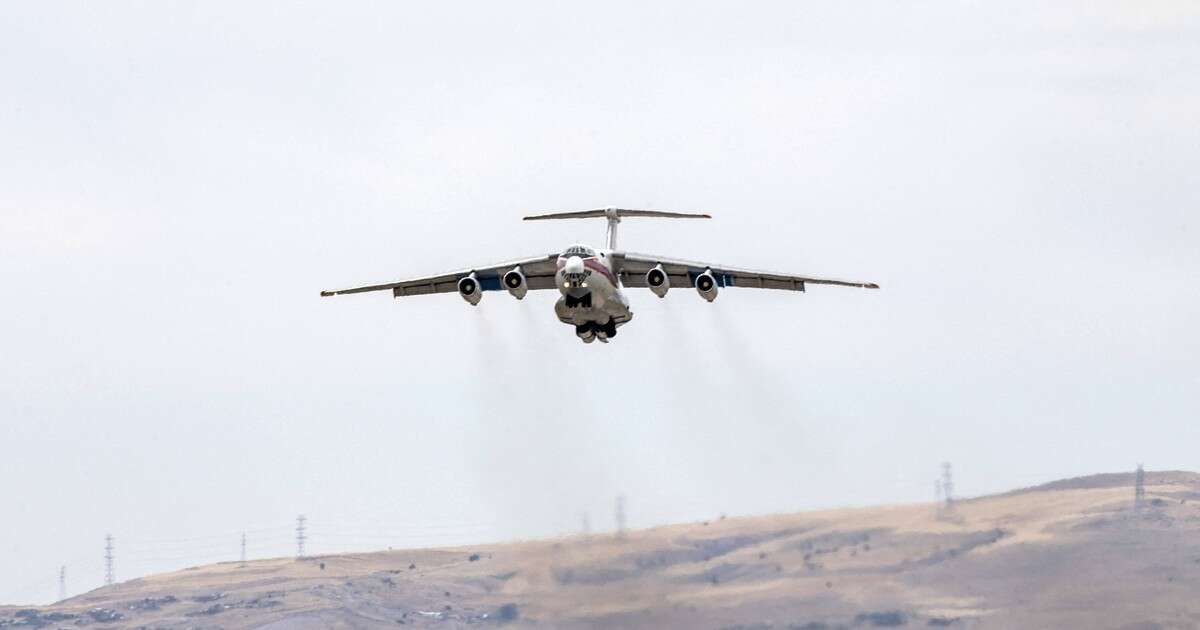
{"x": 592, "y": 300}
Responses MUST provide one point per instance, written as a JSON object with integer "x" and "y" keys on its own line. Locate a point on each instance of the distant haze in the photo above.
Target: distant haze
{"x": 177, "y": 183}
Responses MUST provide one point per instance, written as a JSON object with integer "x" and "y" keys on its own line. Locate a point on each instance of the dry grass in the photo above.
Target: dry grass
{"x": 1071, "y": 554}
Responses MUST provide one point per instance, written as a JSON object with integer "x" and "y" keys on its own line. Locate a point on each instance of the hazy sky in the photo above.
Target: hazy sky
{"x": 179, "y": 180}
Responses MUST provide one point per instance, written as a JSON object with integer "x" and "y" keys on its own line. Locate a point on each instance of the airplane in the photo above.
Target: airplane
{"x": 592, "y": 281}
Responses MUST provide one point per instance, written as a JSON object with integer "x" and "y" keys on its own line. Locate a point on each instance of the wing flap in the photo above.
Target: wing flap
{"x": 638, "y": 280}
{"x": 425, "y": 289}
{"x": 537, "y": 283}
{"x": 683, "y": 272}
{"x": 539, "y": 274}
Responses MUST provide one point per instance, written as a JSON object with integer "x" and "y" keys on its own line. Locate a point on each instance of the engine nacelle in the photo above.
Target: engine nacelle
{"x": 514, "y": 281}
{"x": 658, "y": 281}
{"x": 469, "y": 289}
{"x": 706, "y": 285}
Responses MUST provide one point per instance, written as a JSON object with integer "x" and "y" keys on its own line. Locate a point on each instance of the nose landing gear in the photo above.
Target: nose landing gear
{"x": 591, "y": 331}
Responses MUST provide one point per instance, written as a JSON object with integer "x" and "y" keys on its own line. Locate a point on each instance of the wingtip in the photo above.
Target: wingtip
{"x": 328, "y": 293}
{"x": 871, "y": 285}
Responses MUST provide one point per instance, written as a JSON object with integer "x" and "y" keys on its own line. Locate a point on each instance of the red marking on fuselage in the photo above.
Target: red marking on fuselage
{"x": 596, "y": 265}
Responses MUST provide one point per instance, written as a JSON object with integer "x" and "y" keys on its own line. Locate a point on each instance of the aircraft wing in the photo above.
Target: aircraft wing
{"x": 633, "y": 267}
{"x": 539, "y": 274}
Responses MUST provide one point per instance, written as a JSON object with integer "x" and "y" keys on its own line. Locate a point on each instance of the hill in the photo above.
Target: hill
{"x": 1070, "y": 554}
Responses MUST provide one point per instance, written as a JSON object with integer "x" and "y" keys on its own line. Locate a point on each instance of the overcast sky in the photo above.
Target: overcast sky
{"x": 179, "y": 180}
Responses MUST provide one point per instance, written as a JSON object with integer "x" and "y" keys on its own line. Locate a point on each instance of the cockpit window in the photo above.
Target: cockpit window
{"x": 583, "y": 251}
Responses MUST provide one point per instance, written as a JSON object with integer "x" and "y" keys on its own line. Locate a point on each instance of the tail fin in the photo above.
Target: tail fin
{"x": 614, "y": 217}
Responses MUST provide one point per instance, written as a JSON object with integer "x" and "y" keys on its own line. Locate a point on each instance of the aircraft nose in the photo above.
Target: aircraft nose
{"x": 574, "y": 264}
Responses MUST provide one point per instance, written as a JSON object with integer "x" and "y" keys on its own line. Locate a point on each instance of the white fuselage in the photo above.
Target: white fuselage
{"x": 592, "y": 299}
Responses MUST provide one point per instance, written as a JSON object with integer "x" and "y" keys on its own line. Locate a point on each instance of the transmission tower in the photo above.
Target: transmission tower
{"x": 62, "y": 583}
{"x": 243, "y": 548}
{"x": 585, "y": 525}
{"x": 300, "y": 536}
{"x": 947, "y": 485}
{"x": 1139, "y": 488}
{"x": 943, "y": 489}
{"x": 108, "y": 560}
{"x": 620, "y": 516}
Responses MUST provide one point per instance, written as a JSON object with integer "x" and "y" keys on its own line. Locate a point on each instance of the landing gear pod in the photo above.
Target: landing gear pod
{"x": 514, "y": 281}
{"x": 469, "y": 289}
{"x": 706, "y": 285}
{"x": 658, "y": 281}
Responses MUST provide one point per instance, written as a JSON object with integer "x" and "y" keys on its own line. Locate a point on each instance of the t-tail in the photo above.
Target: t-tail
{"x": 614, "y": 217}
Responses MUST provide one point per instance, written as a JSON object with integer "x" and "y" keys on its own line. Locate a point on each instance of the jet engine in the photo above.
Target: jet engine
{"x": 706, "y": 285}
{"x": 469, "y": 289}
{"x": 514, "y": 281}
{"x": 658, "y": 281}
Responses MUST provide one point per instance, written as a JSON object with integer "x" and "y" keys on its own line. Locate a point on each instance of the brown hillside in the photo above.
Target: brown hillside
{"x": 1071, "y": 554}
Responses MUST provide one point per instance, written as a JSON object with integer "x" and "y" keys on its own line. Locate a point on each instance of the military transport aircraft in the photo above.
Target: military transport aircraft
{"x": 591, "y": 280}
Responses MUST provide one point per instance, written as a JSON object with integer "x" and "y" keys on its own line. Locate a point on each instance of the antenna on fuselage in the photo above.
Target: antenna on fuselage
{"x": 614, "y": 216}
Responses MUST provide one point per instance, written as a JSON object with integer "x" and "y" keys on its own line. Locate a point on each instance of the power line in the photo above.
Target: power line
{"x": 284, "y": 530}
{"x": 199, "y": 548}
{"x": 108, "y": 560}
{"x": 164, "y": 554}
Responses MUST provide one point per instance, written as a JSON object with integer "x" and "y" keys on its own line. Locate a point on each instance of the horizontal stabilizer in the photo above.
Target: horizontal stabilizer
{"x": 616, "y": 213}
